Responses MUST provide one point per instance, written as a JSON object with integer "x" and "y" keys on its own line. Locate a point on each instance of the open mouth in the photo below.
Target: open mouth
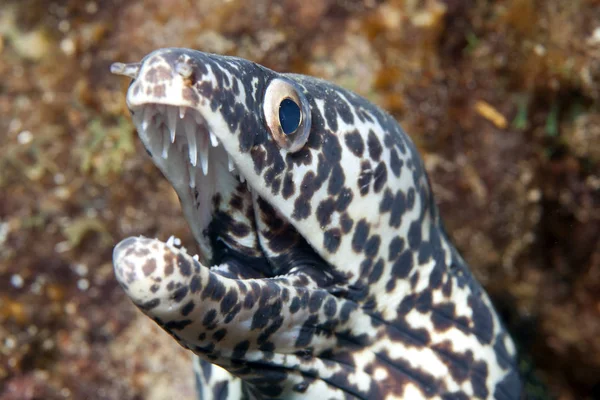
{"x": 193, "y": 160}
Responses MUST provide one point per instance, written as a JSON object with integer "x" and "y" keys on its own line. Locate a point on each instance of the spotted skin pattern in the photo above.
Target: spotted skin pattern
{"x": 328, "y": 272}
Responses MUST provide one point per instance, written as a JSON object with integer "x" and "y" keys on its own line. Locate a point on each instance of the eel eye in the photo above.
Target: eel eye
{"x": 287, "y": 114}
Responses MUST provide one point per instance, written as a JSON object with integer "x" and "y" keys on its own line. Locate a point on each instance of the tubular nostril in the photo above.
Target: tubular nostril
{"x": 184, "y": 69}
{"x": 131, "y": 70}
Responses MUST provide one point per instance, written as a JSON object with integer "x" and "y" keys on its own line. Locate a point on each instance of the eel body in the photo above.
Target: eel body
{"x": 324, "y": 270}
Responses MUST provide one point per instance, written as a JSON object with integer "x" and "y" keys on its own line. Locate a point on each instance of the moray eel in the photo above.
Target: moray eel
{"x": 324, "y": 269}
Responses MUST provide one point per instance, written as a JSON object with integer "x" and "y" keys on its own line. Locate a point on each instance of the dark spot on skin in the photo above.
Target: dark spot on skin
{"x": 395, "y": 247}
{"x": 229, "y": 301}
{"x": 195, "y": 284}
{"x": 410, "y": 199}
{"x": 149, "y": 305}
{"x": 372, "y": 246}
{"x": 239, "y": 351}
{"x": 355, "y": 143}
{"x": 336, "y": 180}
{"x": 330, "y": 307}
{"x": 377, "y": 271}
{"x": 478, "y": 380}
{"x": 301, "y": 208}
{"x": 344, "y": 200}
{"x": 276, "y": 186}
{"x": 169, "y": 264}
{"x": 483, "y": 323}
{"x": 423, "y": 304}
{"x": 380, "y": 177}
{"x": 149, "y": 267}
{"x": 316, "y": 299}
{"x": 288, "y": 186}
{"x": 307, "y": 331}
{"x": 346, "y": 223}
{"x": 180, "y": 294}
{"x": 347, "y": 309}
{"x": 414, "y": 279}
{"x": 361, "y": 233}
{"x": 232, "y": 313}
{"x": 236, "y": 202}
{"x": 332, "y": 239}
{"x": 209, "y": 318}
{"x": 214, "y": 288}
{"x": 395, "y": 163}
{"x": 435, "y": 277}
{"x": 424, "y": 253}
{"x": 158, "y": 74}
{"x": 331, "y": 116}
{"x": 187, "y": 308}
{"x": 386, "y": 202}
{"x": 325, "y": 211}
{"x": 332, "y": 151}
{"x": 295, "y": 305}
{"x": 398, "y": 208}
{"x": 177, "y": 325}
{"x": 184, "y": 265}
{"x": 442, "y": 316}
{"x": 414, "y": 235}
{"x": 249, "y": 300}
{"x": 374, "y": 146}
{"x": 403, "y": 265}
{"x": 219, "y": 334}
{"x": 365, "y": 266}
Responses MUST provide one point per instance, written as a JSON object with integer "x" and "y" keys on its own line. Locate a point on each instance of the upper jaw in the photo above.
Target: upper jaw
{"x": 168, "y": 115}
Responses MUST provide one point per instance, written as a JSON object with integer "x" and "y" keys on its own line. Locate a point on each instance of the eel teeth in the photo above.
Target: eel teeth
{"x": 192, "y": 172}
{"x": 172, "y": 122}
{"x": 181, "y": 112}
{"x": 213, "y": 140}
{"x": 166, "y": 145}
{"x": 204, "y": 157}
{"x": 173, "y": 241}
{"x": 230, "y": 163}
{"x": 190, "y": 131}
{"x": 147, "y": 117}
{"x": 242, "y": 179}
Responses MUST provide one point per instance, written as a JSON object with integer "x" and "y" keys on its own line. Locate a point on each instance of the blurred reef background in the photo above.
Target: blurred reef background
{"x": 501, "y": 97}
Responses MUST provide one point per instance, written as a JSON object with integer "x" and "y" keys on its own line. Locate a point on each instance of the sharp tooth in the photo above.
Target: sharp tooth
{"x": 195, "y": 257}
{"x": 147, "y": 118}
{"x": 204, "y": 157}
{"x": 213, "y": 140}
{"x": 172, "y": 122}
{"x": 166, "y": 144}
{"x": 190, "y": 131}
{"x": 192, "y": 172}
{"x": 242, "y": 179}
{"x": 181, "y": 112}
{"x": 230, "y": 163}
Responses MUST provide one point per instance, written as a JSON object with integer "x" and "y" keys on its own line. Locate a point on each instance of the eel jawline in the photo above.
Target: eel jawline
{"x": 213, "y": 315}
